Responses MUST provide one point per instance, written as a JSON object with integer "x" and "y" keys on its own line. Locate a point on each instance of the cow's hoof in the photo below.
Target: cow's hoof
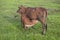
{"x": 43, "y": 33}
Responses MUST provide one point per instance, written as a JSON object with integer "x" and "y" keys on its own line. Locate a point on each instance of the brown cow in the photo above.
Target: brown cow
{"x": 30, "y": 16}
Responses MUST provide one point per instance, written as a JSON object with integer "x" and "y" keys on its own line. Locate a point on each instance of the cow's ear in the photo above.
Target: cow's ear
{"x": 20, "y": 6}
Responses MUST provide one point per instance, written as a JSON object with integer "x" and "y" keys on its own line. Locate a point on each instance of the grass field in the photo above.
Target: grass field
{"x": 11, "y": 28}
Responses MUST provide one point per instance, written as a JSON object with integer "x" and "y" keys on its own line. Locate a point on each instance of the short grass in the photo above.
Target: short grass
{"x": 11, "y": 28}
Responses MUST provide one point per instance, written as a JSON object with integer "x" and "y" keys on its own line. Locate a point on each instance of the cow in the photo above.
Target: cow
{"x": 31, "y": 15}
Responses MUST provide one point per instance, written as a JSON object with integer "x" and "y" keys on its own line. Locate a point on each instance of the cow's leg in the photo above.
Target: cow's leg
{"x": 44, "y": 24}
{"x": 44, "y": 28}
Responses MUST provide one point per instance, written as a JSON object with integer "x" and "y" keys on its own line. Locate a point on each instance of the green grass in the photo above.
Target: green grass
{"x": 11, "y": 28}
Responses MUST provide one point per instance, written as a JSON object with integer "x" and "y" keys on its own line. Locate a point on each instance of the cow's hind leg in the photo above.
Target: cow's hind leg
{"x": 44, "y": 28}
{"x": 44, "y": 24}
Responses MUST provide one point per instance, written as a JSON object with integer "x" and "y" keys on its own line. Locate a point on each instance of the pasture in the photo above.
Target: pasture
{"x": 11, "y": 27}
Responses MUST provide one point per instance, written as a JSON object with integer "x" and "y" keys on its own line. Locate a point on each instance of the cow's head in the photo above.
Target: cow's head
{"x": 30, "y": 23}
{"x": 21, "y": 9}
